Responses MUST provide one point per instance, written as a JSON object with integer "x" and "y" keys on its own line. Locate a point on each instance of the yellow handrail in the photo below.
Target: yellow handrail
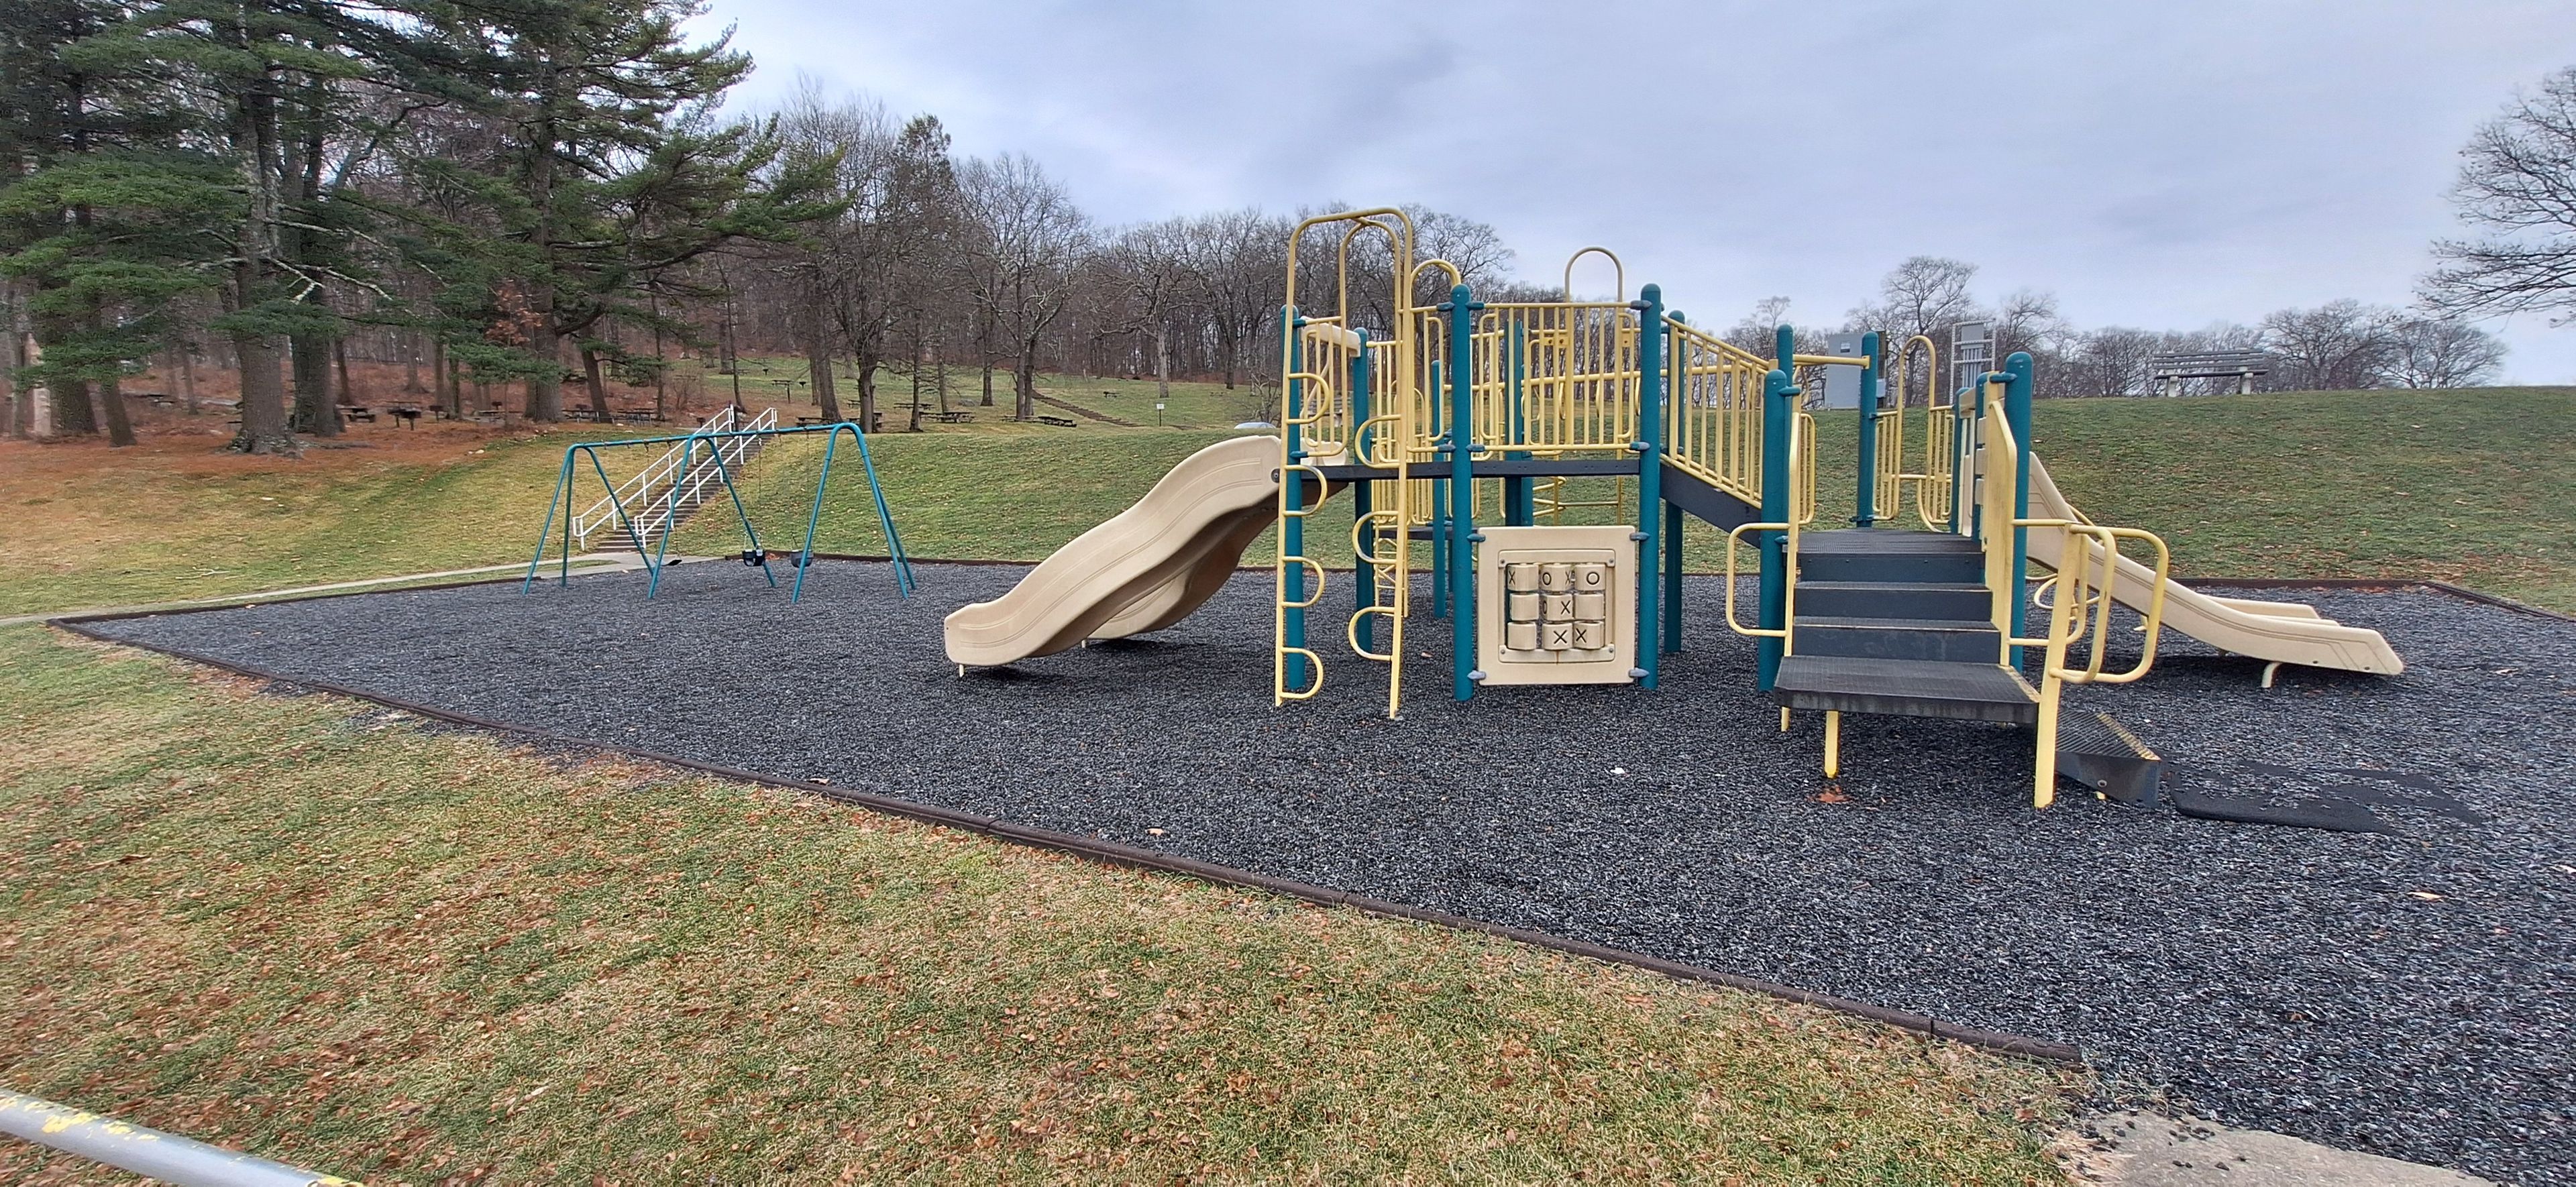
{"x": 2082, "y": 605}
{"x": 1733, "y": 539}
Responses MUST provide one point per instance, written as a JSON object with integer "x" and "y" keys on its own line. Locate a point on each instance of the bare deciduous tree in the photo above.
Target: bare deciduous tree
{"x": 2338, "y": 346}
{"x": 1921, "y": 296}
{"x": 2441, "y": 352}
{"x": 2518, "y": 186}
{"x": 1030, "y": 237}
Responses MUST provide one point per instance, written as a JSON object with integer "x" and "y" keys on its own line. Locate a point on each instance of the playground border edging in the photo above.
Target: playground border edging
{"x": 1110, "y": 853}
{"x": 2366, "y": 584}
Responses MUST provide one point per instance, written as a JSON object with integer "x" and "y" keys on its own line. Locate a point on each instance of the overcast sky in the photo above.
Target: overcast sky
{"x": 2163, "y": 164}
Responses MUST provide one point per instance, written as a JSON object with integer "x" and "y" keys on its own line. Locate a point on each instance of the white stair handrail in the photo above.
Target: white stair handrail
{"x": 658, "y": 504}
{"x": 640, "y": 496}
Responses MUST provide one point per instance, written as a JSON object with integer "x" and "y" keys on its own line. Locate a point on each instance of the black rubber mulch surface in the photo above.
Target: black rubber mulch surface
{"x": 2409, "y": 992}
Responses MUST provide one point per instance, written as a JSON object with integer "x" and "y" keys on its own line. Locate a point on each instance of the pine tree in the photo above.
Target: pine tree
{"x": 611, "y": 171}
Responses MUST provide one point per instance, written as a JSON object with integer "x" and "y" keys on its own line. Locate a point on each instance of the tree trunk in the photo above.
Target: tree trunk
{"x": 411, "y": 364}
{"x": 73, "y": 413}
{"x": 188, "y": 377}
{"x": 545, "y": 387}
{"x": 310, "y": 362}
{"x": 867, "y": 378}
{"x": 263, "y": 399}
{"x": 111, "y": 405}
{"x": 984, "y": 347}
{"x": 596, "y": 386}
{"x": 1162, "y": 362}
{"x": 348, "y": 393}
{"x": 818, "y": 368}
{"x": 22, "y": 404}
{"x": 1026, "y": 385}
{"x": 661, "y": 365}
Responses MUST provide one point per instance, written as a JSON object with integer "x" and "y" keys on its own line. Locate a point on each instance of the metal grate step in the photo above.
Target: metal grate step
{"x": 1906, "y": 688}
{"x": 2094, "y": 749}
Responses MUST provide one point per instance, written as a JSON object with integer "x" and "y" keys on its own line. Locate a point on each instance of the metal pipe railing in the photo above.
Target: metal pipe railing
{"x": 185, "y": 1162}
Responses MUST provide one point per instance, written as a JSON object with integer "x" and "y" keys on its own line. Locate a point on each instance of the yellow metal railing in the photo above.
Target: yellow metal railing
{"x": 1929, "y": 485}
{"x": 1799, "y": 446}
{"x": 1993, "y": 476}
{"x": 2081, "y": 603}
{"x": 1713, "y": 410}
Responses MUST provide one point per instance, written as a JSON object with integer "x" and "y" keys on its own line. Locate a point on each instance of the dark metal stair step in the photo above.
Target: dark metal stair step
{"x": 1906, "y": 688}
{"x": 2097, "y": 751}
{"x": 1883, "y": 541}
{"x": 1949, "y": 639}
{"x": 1951, "y": 600}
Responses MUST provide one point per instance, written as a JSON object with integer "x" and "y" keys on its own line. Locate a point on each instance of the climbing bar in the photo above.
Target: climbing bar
{"x": 167, "y": 1157}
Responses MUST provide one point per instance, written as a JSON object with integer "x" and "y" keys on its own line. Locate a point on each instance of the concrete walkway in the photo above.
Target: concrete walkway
{"x": 2145, "y": 1150}
{"x": 596, "y": 562}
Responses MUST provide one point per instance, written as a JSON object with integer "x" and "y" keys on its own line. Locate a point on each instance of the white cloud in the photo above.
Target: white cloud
{"x": 2163, "y": 164}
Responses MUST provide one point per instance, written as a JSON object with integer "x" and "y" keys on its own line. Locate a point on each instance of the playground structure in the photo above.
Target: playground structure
{"x": 648, "y": 507}
{"x": 1461, "y": 405}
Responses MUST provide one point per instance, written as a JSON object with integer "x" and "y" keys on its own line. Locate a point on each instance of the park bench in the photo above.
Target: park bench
{"x": 2167, "y": 371}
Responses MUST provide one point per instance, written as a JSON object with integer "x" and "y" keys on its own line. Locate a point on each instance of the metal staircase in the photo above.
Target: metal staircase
{"x": 646, "y": 507}
{"x": 1929, "y": 624}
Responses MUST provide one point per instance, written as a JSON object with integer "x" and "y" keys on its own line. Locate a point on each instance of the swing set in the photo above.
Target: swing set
{"x": 695, "y": 459}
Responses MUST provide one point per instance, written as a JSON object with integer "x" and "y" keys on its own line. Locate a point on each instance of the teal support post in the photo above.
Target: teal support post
{"x": 2017, "y": 393}
{"x": 1676, "y": 387}
{"x": 1292, "y": 529}
{"x": 1779, "y": 415}
{"x": 1520, "y": 495}
{"x": 1650, "y": 483}
{"x": 1784, "y": 351}
{"x": 1363, "y": 537}
{"x": 1462, "y": 494}
{"x": 1439, "y": 525}
{"x": 1673, "y": 521}
{"x": 1866, "y": 514}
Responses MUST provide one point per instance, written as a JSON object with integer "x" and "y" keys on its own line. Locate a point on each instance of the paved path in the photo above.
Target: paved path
{"x": 596, "y": 562}
{"x": 2145, "y": 1150}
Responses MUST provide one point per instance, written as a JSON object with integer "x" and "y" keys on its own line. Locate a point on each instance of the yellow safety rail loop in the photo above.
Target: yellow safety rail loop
{"x": 2083, "y": 601}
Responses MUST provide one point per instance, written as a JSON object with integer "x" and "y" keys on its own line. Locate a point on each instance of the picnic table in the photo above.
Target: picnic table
{"x": 1061, "y": 422}
{"x": 355, "y": 412}
{"x": 951, "y": 418}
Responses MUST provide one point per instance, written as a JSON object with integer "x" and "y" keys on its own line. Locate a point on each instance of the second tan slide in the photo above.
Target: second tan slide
{"x": 1144, "y": 569}
{"x": 2282, "y": 632}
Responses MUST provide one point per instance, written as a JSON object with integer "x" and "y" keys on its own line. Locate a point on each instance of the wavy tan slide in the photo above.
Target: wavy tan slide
{"x": 2278, "y": 632}
{"x": 1146, "y": 568}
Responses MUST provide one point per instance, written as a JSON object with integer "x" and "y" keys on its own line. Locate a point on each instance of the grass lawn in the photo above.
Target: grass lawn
{"x": 1191, "y": 405}
{"x": 2452, "y": 485}
{"x": 176, "y": 519}
{"x": 332, "y": 935}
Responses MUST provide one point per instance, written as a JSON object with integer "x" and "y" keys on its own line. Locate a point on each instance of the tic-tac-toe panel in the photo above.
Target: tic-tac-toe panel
{"x": 1556, "y": 605}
